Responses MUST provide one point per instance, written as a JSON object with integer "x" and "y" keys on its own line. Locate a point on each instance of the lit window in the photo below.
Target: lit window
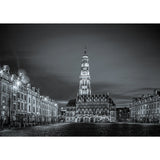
{"x": 14, "y": 97}
{"x": 21, "y": 96}
{"x": 18, "y": 94}
{"x": 4, "y": 88}
{"x": 18, "y": 105}
{"x": 14, "y": 106}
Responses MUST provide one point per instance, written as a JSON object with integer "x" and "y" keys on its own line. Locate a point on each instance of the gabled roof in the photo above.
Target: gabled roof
{"x": 71, "y": 102}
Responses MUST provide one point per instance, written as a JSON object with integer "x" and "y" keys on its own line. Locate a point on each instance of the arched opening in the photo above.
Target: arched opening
{"x": 91, "y": 120}
{"x": 84, "y": 119}
{"x": 81, "y": 120}
{"x": 87, "y": 120}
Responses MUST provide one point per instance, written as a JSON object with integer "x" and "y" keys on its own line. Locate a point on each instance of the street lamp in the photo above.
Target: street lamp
{"x": 3, "y": 115}
{"x": 38, "y": 116}
{"x": 18, "y": 83}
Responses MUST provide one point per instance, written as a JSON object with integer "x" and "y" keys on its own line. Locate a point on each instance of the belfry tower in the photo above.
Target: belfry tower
{"x": 84, "y": 83}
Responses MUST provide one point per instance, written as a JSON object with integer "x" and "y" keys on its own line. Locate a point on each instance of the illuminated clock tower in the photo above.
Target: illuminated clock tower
{"x": 84, "y": 83}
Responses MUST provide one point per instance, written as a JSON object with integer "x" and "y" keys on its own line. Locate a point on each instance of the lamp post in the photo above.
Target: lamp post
{"x": 38, "y": 117}
{"x": 9, "y": 104}
{"x": 3, "y": 115}
{"x": 55, "y": 112}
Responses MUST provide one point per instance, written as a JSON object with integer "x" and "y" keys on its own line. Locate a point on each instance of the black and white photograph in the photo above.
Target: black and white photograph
{"x": 79, "y": 80}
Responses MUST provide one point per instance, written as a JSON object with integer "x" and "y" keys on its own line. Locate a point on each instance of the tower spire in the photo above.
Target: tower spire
{"x": 84, "y": 83}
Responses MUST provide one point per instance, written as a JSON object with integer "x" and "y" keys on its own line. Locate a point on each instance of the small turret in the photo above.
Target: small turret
{"x": 6, "y": 68}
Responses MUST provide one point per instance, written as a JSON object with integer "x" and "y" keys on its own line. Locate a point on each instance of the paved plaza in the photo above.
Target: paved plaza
{"x": 86, "y": 129}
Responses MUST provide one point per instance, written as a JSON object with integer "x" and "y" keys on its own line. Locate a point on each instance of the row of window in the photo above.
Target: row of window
{"x": 21, "y": 106}
{"x": 102, "y": 113}
{"x": 22, "y": 96}
{"x": 70, "y": 119}
{"x": 149, "y": 111}
{"x": 43, "y": 109}
{"x": 5, "y": 88}
{"x": 150, "y": 106}
{"x": 70, "y": 114}
{"x": 93, "y": 100}
{"x": 145, "y": 101}
{"x": 94, "y": 109}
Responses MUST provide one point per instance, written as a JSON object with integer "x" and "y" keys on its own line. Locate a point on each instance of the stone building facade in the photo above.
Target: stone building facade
{"x": 95, "y": 108}
{"x": 123, "y": 114}
{"x": 146, "y": 108}
{"x": 70, "y": 111}
{"x": 90, "y": 107}
{"x": 21, "y": 104}
{"x": 62, "y": 113}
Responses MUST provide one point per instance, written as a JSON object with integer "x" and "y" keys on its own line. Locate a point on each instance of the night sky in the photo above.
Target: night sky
{"x": 124, "y": 59}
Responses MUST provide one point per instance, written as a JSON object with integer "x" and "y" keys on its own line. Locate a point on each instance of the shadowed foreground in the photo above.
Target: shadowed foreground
{"x": 84, "y": 129}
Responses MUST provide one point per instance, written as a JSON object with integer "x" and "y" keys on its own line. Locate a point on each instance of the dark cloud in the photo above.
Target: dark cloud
{"x": 104, "y": 87}
{"x": 124, "y": 59}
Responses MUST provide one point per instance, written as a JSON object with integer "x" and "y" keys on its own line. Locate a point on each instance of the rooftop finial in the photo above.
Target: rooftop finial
{"x": 85, "y": 49}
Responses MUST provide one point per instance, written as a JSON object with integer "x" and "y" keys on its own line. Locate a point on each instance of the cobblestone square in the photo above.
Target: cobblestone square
{"x": 86, "y": 129}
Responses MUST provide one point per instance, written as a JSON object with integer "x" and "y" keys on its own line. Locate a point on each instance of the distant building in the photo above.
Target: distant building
{"x": 95, "y": 108}
{"x": 70, "y": 111}
{"x": 21, "y": 104}
{"x": 146, "y": 108}
{"x": 61, "y": 113}
{"x": 92, "y": 107}
{"x": 123, "y": 114}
